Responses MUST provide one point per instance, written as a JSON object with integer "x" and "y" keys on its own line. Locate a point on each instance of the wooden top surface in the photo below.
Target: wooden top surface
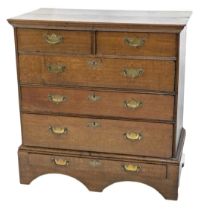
{"x": 175, "y": 18}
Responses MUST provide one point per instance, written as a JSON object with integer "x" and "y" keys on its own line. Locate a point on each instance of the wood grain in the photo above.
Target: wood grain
{"x": 97, "y": 173}
{"x": 94, "y": 52}
{"x": 108, "y": 136}
{"x": 105, "y": 16}
{"x": 73, "y": 41}
{"x": 158, "y": 75}
{"x": 113, "y": 43}
{"x": 158, "y": 107}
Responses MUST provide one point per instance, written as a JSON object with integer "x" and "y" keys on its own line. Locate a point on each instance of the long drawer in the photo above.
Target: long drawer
{"x": 100, "y": 135}
{"x": 79, "y": 167}
{"x": 54, "y": 41}
{"x": 97, "y": 103}
{"x": 97, "y": 72}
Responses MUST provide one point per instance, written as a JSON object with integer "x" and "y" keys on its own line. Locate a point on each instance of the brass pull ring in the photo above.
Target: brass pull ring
{"x": 131, "y": 168}
{"x": 60, "y": 162}
{"x": 56, "y": 98}
{"x": 133, "y": 73}
{"x": 54, "y": 68}
{"x": 134, "y": 42}
{"x": 133, "y": 136}
{"x": 58, "y": 130}
{"x": 133, "y": 104}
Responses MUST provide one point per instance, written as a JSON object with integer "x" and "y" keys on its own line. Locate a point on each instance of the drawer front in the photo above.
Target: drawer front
{"x": 98, "y": 103}
{"x": 88, "y": 71}
{"x": 58, "y": 41}
{"x": 100, "y": 135}
{"x": 136, "y": 44}
{"x": 79, "y": 166}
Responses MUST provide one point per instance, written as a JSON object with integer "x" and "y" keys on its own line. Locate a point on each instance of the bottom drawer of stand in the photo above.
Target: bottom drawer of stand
{"x": 79, "y": 166}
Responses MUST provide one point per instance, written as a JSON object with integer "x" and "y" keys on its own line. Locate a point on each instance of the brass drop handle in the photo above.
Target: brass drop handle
{"x": 93, "y": 97}
{"x": 56, "y": 98}
{"x": 53, "y": 39}
{"x": 131, "y": 168}
{"x": 58, "y": 130}
{"x": 135, "y": 42}
{"x": 133, "y": 72}
{"x": 54, "y": 68}
{"x": 133, "y": 104}
{"x": 60, "y": 162}
{"x": 133, "y": 136}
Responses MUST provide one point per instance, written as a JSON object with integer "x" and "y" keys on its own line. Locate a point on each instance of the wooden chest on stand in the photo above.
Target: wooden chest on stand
{"x": 101, "y": 96}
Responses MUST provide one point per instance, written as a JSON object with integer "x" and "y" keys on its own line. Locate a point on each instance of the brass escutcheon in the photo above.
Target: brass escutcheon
{"x": 93, "y": 124}
{"x": 93, "y": 97}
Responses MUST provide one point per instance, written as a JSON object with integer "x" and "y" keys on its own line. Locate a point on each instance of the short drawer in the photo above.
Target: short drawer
{"x": 78, "y": 167}
{"x": 100, "y": 135}
{"x": 97, "y": 103}
{"x": 136, "y": 44}
{"x": 97, "y": 72}
{"x": 54, "y": 41}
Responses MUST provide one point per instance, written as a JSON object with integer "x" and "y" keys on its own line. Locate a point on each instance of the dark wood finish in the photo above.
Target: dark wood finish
{"x": 104, "y": 73}
{"x": 157, "y": 107}
{"x": 108, "y": 136}
{"x": 97, "y": 38}
{"x": 112, "y": 43}
{"x": 73, "y": 42}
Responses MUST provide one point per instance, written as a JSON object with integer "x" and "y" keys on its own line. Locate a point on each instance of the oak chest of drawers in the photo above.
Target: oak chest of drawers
{"x": 101, "y": 96}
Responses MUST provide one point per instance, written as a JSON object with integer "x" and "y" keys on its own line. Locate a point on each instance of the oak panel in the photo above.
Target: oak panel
{"x": 97, "y": 72}
{"x": 108, "y": 136}
{"x": 72, "y": 41}
{"x": 101, "y": 103}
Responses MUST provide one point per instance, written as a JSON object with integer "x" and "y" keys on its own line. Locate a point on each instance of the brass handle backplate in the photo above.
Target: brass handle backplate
{"x": 93, "y": 97}
{"x": 133, "y": 72}
{"x": 58, "y": 130}
{"x": 56, "y": 98}
{"x": 53, "y": 39}
{"x": 60, "y": 162}
{"x": 56, "y": 68}
{"x": 135, "y": 42}
{"x": 131, "y": 168}
{"x": 133, "y": 136}
{"x": 133, "y": 104}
